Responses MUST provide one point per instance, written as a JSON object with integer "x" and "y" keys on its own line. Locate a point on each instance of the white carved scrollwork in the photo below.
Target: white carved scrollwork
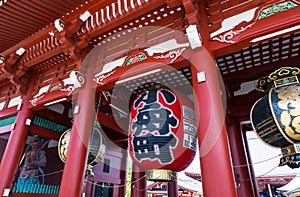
{"x": 173, "y": 55}
{"x": 76, "y": 80}
{"x": 100, "y": 78}
{"x": 227, "y": 37}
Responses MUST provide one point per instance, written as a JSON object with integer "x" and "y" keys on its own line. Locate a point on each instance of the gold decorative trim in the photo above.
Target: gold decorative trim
{"x": 67, "y": 132}
{"x": 276, "y": 8}
{"x": 283, "y": 76}
{"x": 161, "y": 175}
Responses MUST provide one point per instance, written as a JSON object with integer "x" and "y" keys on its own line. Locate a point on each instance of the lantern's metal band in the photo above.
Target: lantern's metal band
{"x": 89, "y": 171}
{"x": 254, "y": 127}
{"x": 292, "y": 149}
{"x": 276, "y": 120}
{"x": 161, "y": 175}
{"x": 63, "y": 147}
{"x": 101, "y": 151}
{"x": 291, "y": 156}
{"x": 286, "y": 81}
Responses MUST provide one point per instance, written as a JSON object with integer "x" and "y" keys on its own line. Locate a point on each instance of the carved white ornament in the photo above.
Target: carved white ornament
{"x": 159, "y": 48}
{"x": 194, "y": 36}
{"x": 165, "y": 46}
{"x": 108, "y": 67}
{"x": 76, "y": 80}
{"x": 231, "y": 22}
{"x": 173, "y": 55}
{"x": 42, "y": 90}
{"x": 17, "y": 101}
{"x": 36, "y": 99}
{"x": 100, "y": 78}
{"x": 228, "y": 36}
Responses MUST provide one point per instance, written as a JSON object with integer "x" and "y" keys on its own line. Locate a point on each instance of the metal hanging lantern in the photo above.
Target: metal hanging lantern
{"x": 276, "y": 117}
{"x": 163, "y": 135}
{"x": 96, "y": 151}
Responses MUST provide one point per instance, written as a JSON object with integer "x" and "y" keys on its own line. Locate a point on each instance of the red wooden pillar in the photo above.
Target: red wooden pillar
{"x": 15, "y": 145}
{"x": 247, "y": 154}
{"x": 139, "y": 183}
{"x": 216, "y": 166}
{"x": 75, "y": 165}
{"x": 215, "y": 161}
{"x": 242, "y": 168}
{"x": 172, "y": 189}
{"x": 123, "y": 172}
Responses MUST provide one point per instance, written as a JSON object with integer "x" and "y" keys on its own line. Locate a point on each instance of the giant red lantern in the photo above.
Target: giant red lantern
{"x": 163, "y": 134}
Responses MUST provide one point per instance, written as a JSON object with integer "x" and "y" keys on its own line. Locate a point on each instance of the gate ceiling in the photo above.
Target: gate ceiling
{"x": 27, "y": 24}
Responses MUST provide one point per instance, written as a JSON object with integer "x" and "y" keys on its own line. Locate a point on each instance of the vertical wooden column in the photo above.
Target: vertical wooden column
{"x": 216, "y": 166}
{"x": 248, "y": 156}
{"x": 75, "y": 165}
{"x": 123, "y": 172}
{"x": 173, "y": 189}
{"x": 15, "y": 146}
{"x": 242, "y": 171}
{"x": 215, "y": 161}
{"x": 139, "y": 183}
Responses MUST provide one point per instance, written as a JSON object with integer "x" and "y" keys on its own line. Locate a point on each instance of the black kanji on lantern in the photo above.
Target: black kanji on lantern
{"x": 152, "y": 137}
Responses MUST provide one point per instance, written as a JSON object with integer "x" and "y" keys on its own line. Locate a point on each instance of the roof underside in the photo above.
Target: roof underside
{"x": 20, "y": 19}
{"x": 23, "y": 21}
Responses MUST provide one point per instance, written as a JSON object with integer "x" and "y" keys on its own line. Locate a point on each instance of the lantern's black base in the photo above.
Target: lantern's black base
{"x": 292, "y": 160}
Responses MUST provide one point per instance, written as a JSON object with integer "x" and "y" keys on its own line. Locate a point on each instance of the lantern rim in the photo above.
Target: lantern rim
{"x": 59, "y": 142}
{"x": 266, "y": 83}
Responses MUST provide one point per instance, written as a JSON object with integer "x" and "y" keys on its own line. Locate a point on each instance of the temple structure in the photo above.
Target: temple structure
{"x": 74, "y": 64}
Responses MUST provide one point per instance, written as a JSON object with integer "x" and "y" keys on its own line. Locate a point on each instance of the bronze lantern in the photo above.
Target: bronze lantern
{"x": 276, "y": 116}
{"x": 96, "y": 149}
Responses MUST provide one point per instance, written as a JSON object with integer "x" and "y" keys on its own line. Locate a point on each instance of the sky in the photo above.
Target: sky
{"x": 265, "y": 159}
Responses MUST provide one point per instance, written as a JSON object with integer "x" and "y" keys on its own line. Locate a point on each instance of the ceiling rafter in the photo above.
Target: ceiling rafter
{"x": 35, "y": 7}
{"x": 20, "y": 17}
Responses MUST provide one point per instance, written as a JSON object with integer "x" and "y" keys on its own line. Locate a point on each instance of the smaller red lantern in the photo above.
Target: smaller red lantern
{"x": 162, "y": 132}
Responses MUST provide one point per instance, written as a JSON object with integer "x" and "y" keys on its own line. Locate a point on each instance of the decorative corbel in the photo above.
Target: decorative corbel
{"x": 20, "y": 85}
{"x": 193, "y": 20}
{"x": 83, "y": 42}
{"x": 73, "y": 26}
{"x": 191, "y": 11}
{"x": 68, "y": 44}
{"x": 72, "y": 44}
{"x": 2, "y": 59}
{"x": 21, "y": 70}
{"x": 7, "y": 65}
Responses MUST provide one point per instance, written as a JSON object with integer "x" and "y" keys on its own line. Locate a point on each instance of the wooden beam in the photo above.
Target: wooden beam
{"x": 111, "y": 123}
{"x": 271, "y": 24}
{"x": 240, "y": 106}
{"x": 54, "y": 116}
{"x": 8, "y": 112}
{"x": 43, "y": 132}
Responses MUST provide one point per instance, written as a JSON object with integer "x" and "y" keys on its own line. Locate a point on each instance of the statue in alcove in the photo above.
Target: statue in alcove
{"x": 34, "y": 160}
